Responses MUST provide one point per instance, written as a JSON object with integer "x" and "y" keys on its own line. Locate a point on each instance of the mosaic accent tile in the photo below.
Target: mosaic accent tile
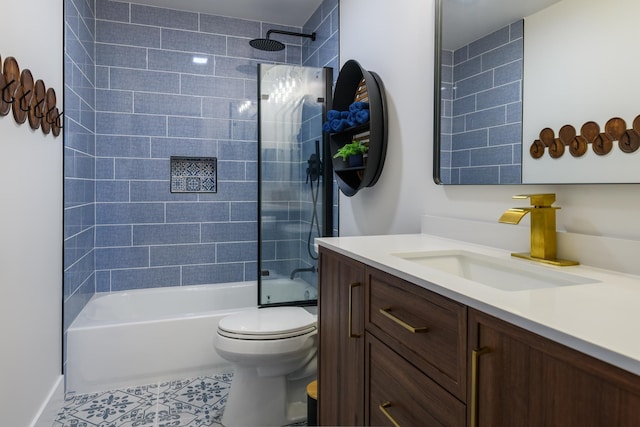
{"x": 194, "y": 175}
{"x": 178, "y": 184}
{"x": 208, "y": 184}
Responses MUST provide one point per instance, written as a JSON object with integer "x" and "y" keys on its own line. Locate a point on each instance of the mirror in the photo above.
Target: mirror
{"x": 536, "y": 91}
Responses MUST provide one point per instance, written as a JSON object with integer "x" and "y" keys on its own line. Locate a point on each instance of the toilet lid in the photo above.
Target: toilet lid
{"x": 268, "y": 323}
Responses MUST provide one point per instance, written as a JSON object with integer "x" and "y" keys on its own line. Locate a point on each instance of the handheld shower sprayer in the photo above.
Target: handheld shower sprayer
{"x": 314, "y": 168}
{"x": 314, "y": 172}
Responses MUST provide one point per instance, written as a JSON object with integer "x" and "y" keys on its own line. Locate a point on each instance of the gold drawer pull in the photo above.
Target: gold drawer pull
{"x": 386, "y": 413}
{"x": 475, "y": 355}
{"x": 387, "y": 312}
{"x": 351, "y": 333}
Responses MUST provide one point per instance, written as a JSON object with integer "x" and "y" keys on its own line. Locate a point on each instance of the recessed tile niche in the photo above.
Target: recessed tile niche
{"x": 193, "y": 174}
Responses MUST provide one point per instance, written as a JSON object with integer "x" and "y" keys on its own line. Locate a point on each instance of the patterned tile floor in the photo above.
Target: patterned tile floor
{"x": 194, "y": 402}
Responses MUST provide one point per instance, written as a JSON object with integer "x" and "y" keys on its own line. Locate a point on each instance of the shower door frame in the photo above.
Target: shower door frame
{"x": 327, "y": 179}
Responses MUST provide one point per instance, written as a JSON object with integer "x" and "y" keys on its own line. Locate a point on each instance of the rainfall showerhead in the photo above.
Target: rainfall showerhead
{"x": 266, "y": 44}
{"x": 271, "y": 45}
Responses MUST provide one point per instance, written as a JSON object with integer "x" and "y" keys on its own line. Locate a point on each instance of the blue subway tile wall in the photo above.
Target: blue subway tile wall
{"x": 481, "y": 106}
{"x": 157, "y": 104}
{"x": 165, "y": 18}
{"x": 153, "y": 102}
{"x": 212, "y": 44}
{"x": 323, "y": 52}
{"x": 79, "y": 158}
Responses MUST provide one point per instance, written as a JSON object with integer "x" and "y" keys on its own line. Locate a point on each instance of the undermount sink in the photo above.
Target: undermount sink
{"x": 498, "y": 273}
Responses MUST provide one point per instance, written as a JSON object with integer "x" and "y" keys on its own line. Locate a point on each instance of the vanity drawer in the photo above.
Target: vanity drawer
{"x": 399, "y": 391}
{"x": 425, "y": 328}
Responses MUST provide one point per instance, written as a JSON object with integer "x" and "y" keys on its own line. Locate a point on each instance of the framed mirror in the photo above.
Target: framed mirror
{"x": 536, "y": 91}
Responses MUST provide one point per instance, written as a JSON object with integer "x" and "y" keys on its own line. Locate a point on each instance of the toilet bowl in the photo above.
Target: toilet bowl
{"x": 273, "y": 351}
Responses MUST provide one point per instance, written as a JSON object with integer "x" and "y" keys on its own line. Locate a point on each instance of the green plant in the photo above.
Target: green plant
{"x": 352, "y": 149}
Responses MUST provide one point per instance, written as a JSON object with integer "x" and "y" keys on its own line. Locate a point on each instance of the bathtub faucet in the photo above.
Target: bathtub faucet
{"x": 299, "y": 270}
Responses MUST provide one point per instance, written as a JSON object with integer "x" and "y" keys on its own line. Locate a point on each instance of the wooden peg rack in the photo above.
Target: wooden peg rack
{"x": 601, "y": 142}
{"x": 29, "y": 99}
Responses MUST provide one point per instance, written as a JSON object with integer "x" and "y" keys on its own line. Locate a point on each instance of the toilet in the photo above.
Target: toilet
{"x": 273, "y": 351}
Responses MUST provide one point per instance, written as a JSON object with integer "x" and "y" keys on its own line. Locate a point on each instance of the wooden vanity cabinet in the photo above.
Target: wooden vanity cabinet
{"x": 341, "y": 340}
{"x": 523, "y": 379}
{"x": 372, "y": 368}
{"x": 465, "y": 368}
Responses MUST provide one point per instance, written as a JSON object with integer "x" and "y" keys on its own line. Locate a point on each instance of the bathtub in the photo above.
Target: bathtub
{"x": 140, "y": 337}
{"x": 282, "y": 289}
{"x": 146, "y": 336}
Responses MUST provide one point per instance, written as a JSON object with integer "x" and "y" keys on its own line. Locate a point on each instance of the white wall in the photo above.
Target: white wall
{"x": 396, "y": 40}
{"x": 574, "y": 90}
{"x": 30, "y": 222}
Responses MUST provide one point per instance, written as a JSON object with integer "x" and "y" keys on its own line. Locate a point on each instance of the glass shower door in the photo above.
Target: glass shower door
{"x": 295, "y": 181}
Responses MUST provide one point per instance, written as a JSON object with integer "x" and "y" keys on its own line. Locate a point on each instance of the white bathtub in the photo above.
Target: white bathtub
{"x": 282, "y": 289}
{"x": 145, "y": 336}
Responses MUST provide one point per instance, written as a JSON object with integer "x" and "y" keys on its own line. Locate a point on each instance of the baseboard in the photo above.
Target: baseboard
{"x": 49, "y": 409}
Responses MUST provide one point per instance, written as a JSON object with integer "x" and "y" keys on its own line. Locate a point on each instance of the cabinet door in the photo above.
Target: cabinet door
{"x": 523, "y": 379}
{"x": 341, "y": 340}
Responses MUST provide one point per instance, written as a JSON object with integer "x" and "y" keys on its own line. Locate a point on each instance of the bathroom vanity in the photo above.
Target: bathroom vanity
{"x": 404, "y": 342}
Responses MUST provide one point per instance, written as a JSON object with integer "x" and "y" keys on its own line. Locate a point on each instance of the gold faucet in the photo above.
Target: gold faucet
{"x": 543, "y": 228}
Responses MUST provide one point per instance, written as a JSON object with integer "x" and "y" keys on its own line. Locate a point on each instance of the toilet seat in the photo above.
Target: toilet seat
{"x": 268, "y": 324}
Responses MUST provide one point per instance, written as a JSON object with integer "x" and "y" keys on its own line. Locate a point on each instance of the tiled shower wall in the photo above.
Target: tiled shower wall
{"x": 324, "y": 52}
{"x": 79, "y": 157}
{"x": 145, "y": 101}
{"x": 483, "y": 128}
{"x": 153, "y": 101}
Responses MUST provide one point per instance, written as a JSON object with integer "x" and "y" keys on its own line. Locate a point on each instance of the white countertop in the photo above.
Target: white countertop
{"x": 601, "y": 319}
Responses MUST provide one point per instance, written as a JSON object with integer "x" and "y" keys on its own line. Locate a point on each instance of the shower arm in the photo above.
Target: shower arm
{"x": 311, "y": 36}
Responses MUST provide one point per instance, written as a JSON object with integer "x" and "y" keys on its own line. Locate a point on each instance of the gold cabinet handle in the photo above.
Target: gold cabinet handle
{"x": 387, "y": 312}
{"x": 383, "y": 408}
{"x": 351, "y": 286}
{"x": 475, "y": 354}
